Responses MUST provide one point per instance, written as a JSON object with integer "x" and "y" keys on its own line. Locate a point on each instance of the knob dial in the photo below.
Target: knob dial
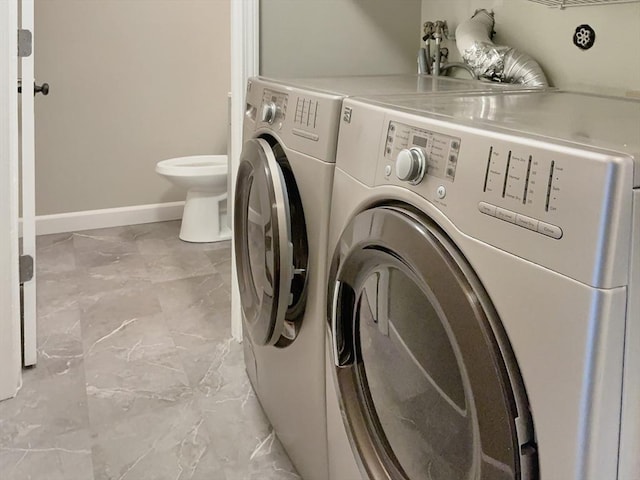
{"x": 411, "y": 165}
{"x": 269, "y": 112}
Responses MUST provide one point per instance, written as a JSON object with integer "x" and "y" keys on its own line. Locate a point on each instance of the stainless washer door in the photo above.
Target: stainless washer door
{"x": 427, "y": 380}
{"x": 263, "y": 244}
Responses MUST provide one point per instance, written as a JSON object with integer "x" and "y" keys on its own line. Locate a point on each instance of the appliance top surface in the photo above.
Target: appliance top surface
{"x": 611, "y": 123}
{"x": 389, "y": 84}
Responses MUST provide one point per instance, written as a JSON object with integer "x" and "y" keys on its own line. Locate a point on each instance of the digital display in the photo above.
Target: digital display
{"x": 420, "y": 141}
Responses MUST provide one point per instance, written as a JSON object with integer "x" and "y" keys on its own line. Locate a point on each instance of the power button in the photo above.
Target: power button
{"x": 441, "y": 192}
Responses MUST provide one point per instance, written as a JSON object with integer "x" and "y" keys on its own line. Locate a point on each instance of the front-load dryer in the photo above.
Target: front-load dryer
{"x": 484, "y": 288}
{"x": 281, "y": 218}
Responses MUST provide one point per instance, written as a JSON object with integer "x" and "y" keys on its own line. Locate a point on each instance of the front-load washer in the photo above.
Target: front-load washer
{"x": 281, "y": 219}
{"x": 484, "y": 288}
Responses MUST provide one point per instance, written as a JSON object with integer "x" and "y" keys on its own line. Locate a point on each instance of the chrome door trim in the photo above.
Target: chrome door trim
{"x": 258, "y": 160}
{"x": 345, "y": 375}
{"x": 333, "y": 325}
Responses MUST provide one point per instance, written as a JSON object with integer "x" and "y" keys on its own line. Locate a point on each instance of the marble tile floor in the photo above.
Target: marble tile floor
{"x": 137, "y": 376}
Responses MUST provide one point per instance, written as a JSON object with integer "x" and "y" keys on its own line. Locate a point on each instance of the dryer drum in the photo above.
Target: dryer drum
{"x": 426, "y": 377}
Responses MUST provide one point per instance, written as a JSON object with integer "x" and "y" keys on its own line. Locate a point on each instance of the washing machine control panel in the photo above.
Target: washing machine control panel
{"x": 555, "y": 203}
{"x": 274, "y": 107}
{"x": 302, "y": 120}
{"x": 411, "y": 147}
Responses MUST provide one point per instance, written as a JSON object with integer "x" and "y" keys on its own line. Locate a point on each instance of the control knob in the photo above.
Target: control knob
{"x": 411, "y": 165}
{"x": 269, "y": 112}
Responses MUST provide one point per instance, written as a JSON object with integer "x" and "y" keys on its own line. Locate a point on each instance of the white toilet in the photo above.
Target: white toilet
{"x": 205, "y": 178}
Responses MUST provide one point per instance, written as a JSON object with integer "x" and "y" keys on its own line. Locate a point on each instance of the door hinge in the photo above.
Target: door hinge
{"x": 25, "y": 43}
{"x": 26, "y": 268}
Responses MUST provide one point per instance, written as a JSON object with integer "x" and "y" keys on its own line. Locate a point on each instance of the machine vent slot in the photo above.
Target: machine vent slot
{"x": 486, "y": 174}
{"x": 553, "y": 166}
{"x": 526, "y": 182}
{"x": 506, "y": 175}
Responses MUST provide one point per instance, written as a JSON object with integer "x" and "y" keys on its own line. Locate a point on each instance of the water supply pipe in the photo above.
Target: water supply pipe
{"x": 440, "y": 31}
{"x": 495, "y": 62}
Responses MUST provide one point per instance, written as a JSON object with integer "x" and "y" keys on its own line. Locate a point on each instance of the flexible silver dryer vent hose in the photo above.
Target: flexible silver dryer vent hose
{"x": 496, "y": 62}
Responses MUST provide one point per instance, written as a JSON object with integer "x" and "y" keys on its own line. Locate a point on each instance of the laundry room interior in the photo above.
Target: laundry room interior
{"x": 320, "y": 240}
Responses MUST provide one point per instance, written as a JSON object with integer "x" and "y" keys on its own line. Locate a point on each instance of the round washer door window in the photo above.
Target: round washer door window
{"x": 271, "y": 264}
{"x": 425, "y": 375}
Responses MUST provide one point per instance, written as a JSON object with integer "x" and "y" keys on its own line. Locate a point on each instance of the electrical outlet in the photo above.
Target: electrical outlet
{"x": 584, "y": 37}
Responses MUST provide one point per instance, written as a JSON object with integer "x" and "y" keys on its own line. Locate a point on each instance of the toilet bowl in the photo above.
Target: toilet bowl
{"x": 205, "y": 178}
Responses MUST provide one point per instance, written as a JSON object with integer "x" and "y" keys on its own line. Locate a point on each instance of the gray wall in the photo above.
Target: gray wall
{"x": 338, "y": 37}
{"x": 612, "y": 65}
{"x": 132, "y": 82}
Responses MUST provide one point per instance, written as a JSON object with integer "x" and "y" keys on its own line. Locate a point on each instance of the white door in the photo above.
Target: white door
{"x": 10, "y": 358}
{"x": 28, "y": 190}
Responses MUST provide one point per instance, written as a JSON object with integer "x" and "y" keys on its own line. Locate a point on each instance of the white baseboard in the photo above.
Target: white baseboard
{"x": 108, "y": 217}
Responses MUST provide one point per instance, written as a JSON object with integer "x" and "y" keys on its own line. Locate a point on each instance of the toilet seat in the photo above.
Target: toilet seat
{"x": 193, "y": 165}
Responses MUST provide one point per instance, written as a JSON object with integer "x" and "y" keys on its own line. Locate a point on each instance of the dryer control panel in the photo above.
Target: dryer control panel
{"x": 520, "y": 185}
{"x": 518, "y": 180}
{"x": 440, "y": 151}
{"x": 554, "y": 203}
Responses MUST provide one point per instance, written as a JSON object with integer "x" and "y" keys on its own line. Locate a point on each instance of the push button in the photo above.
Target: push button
{"x": 506, "y": 215}
{"x": 550, "y": 230}
{"x": 487, "y": 208}
{"x": 523, "y": 221}
{"x": 527, "y": 222}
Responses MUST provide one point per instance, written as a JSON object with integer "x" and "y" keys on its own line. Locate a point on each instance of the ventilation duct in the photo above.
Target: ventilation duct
{"x": 495, "y": 62}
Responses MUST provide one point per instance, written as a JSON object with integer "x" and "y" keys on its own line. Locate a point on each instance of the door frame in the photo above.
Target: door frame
{"x": 245, "y": 39}
{"x": 10, "y": 343}
{"x": 28, "y": 189}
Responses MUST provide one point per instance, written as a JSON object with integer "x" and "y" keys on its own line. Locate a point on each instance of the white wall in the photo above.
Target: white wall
{"x": 612, "y": 65}
{"x": 338, "y": 37}
{"x": 132, "y": 82}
